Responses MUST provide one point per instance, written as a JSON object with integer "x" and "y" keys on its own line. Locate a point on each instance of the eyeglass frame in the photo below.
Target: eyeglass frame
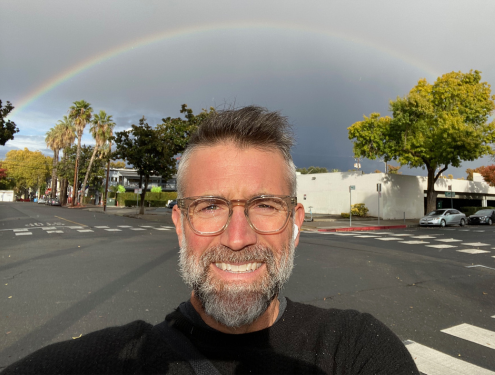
{"x": 289, "y": 200}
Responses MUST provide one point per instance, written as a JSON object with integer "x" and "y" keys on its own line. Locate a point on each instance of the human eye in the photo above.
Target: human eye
{"x": 267, "y": 206}
{"x": 209, "y": 207}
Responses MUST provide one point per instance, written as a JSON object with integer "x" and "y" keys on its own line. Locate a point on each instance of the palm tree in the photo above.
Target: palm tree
{"x": 54, "y": 141}
{"x": 80, "y": 112}
{"x": 68, "y": 136}
{"x": 101, "y": 130}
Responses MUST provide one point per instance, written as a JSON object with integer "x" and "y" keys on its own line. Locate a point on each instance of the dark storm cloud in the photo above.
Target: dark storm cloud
{"x": 329, "y": 63}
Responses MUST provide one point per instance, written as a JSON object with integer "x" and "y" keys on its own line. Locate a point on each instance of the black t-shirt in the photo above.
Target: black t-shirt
{"x": 304, "y": 340}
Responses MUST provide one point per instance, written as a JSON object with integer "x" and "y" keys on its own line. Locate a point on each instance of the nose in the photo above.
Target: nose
{"x": 238, "y": 234}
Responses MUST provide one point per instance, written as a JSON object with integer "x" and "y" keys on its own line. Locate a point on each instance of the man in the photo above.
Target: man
{"x": 237, "y": 220}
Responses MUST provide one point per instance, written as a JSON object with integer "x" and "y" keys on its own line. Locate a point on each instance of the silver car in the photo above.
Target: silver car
{"x": 444, "y": 217}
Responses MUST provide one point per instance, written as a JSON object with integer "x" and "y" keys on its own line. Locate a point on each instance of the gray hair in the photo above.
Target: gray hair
{"x": 246, "y": 127}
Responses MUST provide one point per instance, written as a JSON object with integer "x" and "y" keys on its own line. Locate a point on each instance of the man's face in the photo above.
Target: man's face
{"x": 236, "y": 298}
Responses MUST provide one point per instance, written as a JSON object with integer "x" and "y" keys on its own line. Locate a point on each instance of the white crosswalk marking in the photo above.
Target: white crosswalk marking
{"x": 23, "y": 233}
{"x": 85, "y": 230}
{"x": 166, "y": 226}
{"x": 367, "y": 236}
{"x": 137, "y": 229}
{"x": 473, "y": 251}
{"x": 480, "y": 231}
{"x": 75, "y": 227}
{"x": 389, "y": 238}
{"x": 161, "y": 229}
{"x": 432, "y": 362}
{"x": 449, "y": 240}
{"x": 383, "y": 233}
{"x": 476, "y": 244}
{"x": 440, "y": 246}
{"x": 113, "y": 230}
{"x": 49, "y": 228}
{"x": 55, "y": 231}
{"x": 402, "y": 235}
{"x": 20, "y": 230}
{"x": 471, "y": 333}
{"x": 424, "y": 237}
{"x": 101, "y": 227}
{"x": 124, "y": 226}
{"x": 413, "y": 242}
{"x": 343, "y": 234}
{"x": 146, "y": 226}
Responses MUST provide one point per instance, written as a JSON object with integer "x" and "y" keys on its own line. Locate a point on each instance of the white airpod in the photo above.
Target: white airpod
{"x": 295, "y": 232}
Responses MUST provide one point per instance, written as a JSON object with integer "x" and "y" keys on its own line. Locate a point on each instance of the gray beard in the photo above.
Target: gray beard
{"x": 235, "y": 304}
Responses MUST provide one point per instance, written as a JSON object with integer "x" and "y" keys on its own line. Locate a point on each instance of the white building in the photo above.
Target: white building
{"x": 328, "y": 193}
{"x": 6, "y": 195}
{"x": 129, "y": 178}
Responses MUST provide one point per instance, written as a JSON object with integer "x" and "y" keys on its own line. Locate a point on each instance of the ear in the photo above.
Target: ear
{"x": 298, "y": 220}
{"x": 176, "y": 218}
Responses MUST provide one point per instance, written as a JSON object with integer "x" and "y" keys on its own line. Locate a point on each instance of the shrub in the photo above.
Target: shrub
{"x": 358, "y": 209}
{"x": 156, "y": 189}
{"x": 150, "y": 200}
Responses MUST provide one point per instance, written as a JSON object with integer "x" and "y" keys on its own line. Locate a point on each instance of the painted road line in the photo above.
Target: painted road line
{"x": 70, "y": 221}
{"x": 464, "y": 230}
{"x": 344, "y": 234}
{"x": 479, "y": 231}
{"x": 23, "y": 233}
{"x": 124, "y": 226}
{"x": 423, "y": 237}
{"x": 75, "y": 227}
{"x": 146, "y": 226}
{"x": 402, "y": 235}
{"x": 384, "y": 232}
{"x": 473, "y": 251}
{"x": 493, "y": 316}
{"x": 440, "y": 246}
{"x": 20, "y": 230}
{"x": 476, "y": 244}
{"x": 389, "y": 238}
{"x": 474, "y": 334}
{"x": 366, "y": 236}
{"x": 165, "y": 226}
{"x": 55, "y": 231}
{"x": 449, "y": 240}
{"x": 85, "y": 230}
{"x": 432, "y": 362}
{"x": 101, "y": 227}
{"x": 49, "y": 228}
{"x": 113, "y": 230}
{"x": 413, "y": 242}
{"x": 481, "y": 266}
{"x": 161, "y": 229}
{"x": 137, "y": 229}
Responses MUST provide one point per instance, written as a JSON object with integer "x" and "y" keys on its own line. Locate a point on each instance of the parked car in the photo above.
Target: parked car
{"x": 482, "y": 217}
{"x": 444, "y": 217}
{"x": 41, "y": 200}
{"x": 172, "y": 204}
{"x": 55, "y": 202}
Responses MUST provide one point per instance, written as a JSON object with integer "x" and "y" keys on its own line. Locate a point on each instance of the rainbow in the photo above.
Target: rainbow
{"x": 86, "y": 64}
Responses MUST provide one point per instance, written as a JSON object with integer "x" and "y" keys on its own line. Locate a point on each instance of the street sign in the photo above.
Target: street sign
{"x": 138, "y": 191}
{"x": 352, "y": 187}
{"x": 449, "y": 194}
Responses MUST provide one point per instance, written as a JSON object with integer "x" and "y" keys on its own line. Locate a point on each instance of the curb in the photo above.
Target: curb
{"x": 351, "y": 229}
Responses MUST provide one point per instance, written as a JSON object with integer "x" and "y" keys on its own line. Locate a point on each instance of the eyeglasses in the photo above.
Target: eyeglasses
{"x": 211, "y": 215}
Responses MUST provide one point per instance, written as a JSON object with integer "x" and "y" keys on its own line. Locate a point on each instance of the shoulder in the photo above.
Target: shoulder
{"x": 109, "y": 350}
{"x": 357, "y": 340}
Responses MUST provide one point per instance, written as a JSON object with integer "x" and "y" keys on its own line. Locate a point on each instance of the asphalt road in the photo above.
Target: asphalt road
{"x": 78, "y": 271}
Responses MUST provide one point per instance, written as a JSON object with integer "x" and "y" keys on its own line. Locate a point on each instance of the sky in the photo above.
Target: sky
{"x": 323, "y": 64}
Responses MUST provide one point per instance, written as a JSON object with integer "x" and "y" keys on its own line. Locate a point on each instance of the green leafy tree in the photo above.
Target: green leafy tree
{"x": 152, "y": 151}
{"x": 312, "y": 170}
{"x": 117, "y": 164}
{"x": 435, "y": 126}
{"x": 66, "y": 166}
{"x": 394, "y": 170}
{"x": 101, "y": 130}
{"x": 7, "y": 127}
{"x": 80, "y": 113}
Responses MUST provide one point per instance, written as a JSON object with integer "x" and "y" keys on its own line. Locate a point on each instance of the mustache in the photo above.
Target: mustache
{"x": 223, "y": 254}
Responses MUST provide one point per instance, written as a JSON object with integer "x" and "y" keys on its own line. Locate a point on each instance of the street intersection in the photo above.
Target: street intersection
{"x": 78, "y": 271}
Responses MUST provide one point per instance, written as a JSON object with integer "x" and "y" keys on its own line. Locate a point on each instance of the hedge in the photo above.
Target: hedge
{"x": 150, "y": 200}
{"x": 358, "y": 209}
{"x": 470, "y": 210}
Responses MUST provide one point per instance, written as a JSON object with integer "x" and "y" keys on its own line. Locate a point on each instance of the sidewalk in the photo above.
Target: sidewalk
{"x": 155, "y": 214}
{"x": 336, "y": 223}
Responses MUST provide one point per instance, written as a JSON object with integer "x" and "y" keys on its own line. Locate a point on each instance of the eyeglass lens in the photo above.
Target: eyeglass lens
{"x": 209, "y": 215}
